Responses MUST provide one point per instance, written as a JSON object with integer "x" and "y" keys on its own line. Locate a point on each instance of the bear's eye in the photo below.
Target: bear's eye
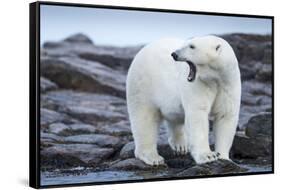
{"x": 218, "y": 47}
{"x": 191, "y": 46}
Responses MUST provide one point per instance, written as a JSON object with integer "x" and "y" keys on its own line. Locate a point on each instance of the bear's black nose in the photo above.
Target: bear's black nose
{"x": 175, "y": 56}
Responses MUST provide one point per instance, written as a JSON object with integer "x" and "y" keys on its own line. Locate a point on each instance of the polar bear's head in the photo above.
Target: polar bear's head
{"x": 202, "y": 52}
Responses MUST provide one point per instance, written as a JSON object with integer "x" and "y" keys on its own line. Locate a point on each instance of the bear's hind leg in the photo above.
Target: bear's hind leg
{"x": 144, "y": 123}
{"x": 177, "y": 138}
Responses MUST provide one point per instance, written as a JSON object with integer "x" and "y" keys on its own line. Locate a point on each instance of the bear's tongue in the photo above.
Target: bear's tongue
{"x": 192, "y": 71}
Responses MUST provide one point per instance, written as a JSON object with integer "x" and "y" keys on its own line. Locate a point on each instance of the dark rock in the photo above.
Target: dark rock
{"x": 82, "y": 128}
{"x": 259, "y": 125}
{"x": 72, "y": 129}
{"x": 121, "y": 128}
{"x": 252, "y": 148}
{"x": 252, "y": 51}
{"x": 213, "y": 168}
{"x": 163, "y": 148}
{"x": 48, "y": 117}
{"x": 108, "y": 59}
{"x": 46, "y": 85}
{"x": 58, "y": 128}
{"x": 114, "y": 57}
{"x": 248, "y": 111}
{"x": 249, "y": 69}
{"x": 49, "y": 137}
{"x": 171, "y": 159}
{"x": 180, "y": 162}
{"x": 249, "y": 99}
{"x": 128, "y": 150}
{"x": 267, "y": 57}
{"x": 99, "y": 139}
{"x": 131, "y": 164}
{"x": 87, "y": 107}
{"x": 265, "y": 100}
{"x": 247, "y": 46}
{"x": 51, "y": 45}
{"x": 244, "y": 117}
{"x": 72, "y": 155}
{"x": 75, "y": 73}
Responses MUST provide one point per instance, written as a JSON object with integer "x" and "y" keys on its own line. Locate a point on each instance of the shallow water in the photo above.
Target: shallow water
{"x": 47, "y": 179}
{"x": 84, "y": 175}
{"x": 74, "y": 176}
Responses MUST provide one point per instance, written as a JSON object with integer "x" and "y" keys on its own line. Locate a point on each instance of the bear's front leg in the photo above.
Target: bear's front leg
{"x": 225, "y": 128}
{"x": 197, "y": 125}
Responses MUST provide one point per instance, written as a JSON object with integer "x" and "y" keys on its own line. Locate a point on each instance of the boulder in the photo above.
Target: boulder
{"x": 73, "y": 155}
{"x": 127, "y": 150}
{"x": 259, "y": 125}
{"x": 78, "y": 74}
{"x": 244, "y": 147}
{"x": 130, "y": 164}
{"x": 218, "y": 167}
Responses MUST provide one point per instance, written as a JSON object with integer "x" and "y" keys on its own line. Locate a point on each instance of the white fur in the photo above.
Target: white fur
{"x": 158, "y": 91}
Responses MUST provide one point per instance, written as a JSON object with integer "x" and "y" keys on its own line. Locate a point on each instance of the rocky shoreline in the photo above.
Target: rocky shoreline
{"x": 84, "y": 120}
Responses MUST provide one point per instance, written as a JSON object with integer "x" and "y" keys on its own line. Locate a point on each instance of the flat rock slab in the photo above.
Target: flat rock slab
{"x": 71, "y": 129}
{"x": 48, "y": 117}
{"x": 73, "y": 155}
{"x": 121, "y": 128}
{"x": 257, "y": 88}
{"x": 213, "y": 168}
{"x": 46, "y": 85}
{"x": 87, "y": 107}
{"x": 98, "y": 139}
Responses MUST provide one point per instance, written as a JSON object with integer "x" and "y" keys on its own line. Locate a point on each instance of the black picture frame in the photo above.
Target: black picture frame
{"x": 34, "y": 93}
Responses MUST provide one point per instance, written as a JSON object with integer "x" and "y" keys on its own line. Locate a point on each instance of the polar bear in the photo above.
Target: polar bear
{"x": 181, "y": 84}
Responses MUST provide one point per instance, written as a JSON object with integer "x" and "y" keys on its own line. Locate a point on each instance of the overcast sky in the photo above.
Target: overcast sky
{"x": 124, "y": 27}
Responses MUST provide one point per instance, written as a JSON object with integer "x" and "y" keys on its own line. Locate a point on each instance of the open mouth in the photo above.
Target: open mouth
{"x": 192, "y": 71}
